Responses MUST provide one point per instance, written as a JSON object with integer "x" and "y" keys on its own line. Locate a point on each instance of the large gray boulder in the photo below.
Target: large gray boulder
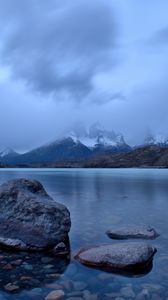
{"x": 133, "y": 232}
{"x": 30, "y": 219}
{"x": 120, "y": 257}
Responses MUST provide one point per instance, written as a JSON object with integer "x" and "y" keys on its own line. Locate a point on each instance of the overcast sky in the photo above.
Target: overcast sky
{"x": 62, "y": 61}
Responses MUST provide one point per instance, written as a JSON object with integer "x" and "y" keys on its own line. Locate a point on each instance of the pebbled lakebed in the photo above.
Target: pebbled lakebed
{"x": 98, "y": 200}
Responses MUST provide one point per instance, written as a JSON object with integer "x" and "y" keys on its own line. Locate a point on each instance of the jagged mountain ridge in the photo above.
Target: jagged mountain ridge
{"x": 76, "y": 145}
{"x": 81, "y": 145}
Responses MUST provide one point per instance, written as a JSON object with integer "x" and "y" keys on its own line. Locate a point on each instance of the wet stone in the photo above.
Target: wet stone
{"x": 28, "y": 267}
{"x": 58, "y": 294}
{"x": 48, "y": 266}
{"x": 132, "y": 257}
{"x": 79, "y": 285}
{"x": 156, "y": 297}
{"x": 143, "y": 295}
{"x": 11, "y": 287}
{"x": 7, "y": 267}
{"x": 74, "y": 298}
{"x": 75, "y": 294}
{"x": 23, "y": 278}
{"x": 133, "y": 232}
{"x": 16, "y": 262}
{"x": 46, "y": 260}
{"x": 127, "y": 292}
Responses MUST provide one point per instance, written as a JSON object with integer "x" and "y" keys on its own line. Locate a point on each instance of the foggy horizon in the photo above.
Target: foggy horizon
{"x": 93, "y": 61}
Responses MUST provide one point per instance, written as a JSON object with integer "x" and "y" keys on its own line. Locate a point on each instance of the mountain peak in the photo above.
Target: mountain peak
{"x": 4, "y": 151}
{"x": 157, "y": 139}
{"x": 96, "y": 136}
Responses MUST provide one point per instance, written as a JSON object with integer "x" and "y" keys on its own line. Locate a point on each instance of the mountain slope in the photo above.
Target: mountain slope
{"x": 7, "y": 155}
{"x": 100, "y": 140}
{"x": 148, "y": 156}
{"x": 64, "y": 149}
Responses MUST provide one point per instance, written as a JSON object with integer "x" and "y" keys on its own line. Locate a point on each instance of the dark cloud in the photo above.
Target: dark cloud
{"x": 58, "y": 46}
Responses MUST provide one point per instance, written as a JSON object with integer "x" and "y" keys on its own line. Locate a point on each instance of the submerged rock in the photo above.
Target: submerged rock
{"x": 134, "y": 258}
{"x": 58, "y": 294}
{"x": 133, "y": 232}
{"x": 30, "y": 219}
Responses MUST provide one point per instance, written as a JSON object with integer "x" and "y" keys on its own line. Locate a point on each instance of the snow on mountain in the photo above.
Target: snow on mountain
{"x": 97, "y": 136}
{"x": 158, "y": 139}
{"x": 5, "y": 151}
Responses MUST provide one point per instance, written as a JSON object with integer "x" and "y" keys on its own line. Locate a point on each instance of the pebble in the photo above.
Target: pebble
{"x": 75, "y": 294}
{"x": 7, "y": 267}
{"x": 23, "y": 278}
{"x": 112, "y": 295}
{"x": 28, "y": 267}
{"x": 74, "y": 298}
{"x": 143, "y": 295}
{"x": 55, "y": 295}
{"x": 54, "y": 286}
{"x": 11, "y": 287}
{"x": 16, "y": 262}
{"x": 79, "y": 285}
{"x": 48, "y": 266}
{"x": 68, "y": 285}
{"x": 127, "y": 292}
{"x": 46, "y": 260}
{"x": 156, "y": 297}
{"x": 153, "y": 288}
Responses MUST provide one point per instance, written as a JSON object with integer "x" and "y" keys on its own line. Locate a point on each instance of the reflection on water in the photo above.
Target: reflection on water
{"x": 98, "y": 200}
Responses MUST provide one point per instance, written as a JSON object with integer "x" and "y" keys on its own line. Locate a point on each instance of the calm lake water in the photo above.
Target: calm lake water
{"x": 98, "y": 199}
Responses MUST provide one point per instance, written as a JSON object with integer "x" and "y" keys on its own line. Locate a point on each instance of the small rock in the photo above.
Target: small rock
{"x": 58, "y": 294}
{"x": 68, "y": 285}
{"x": 48, "y": 266}
{"x": 28, "y": 267}
{"x": 61, "y": 249}
{"x": 127, "y": 292}
{"x": 156, "y": 297}
{"x": 24, "y": 278}
{"x": 16, "y": 262}
{"x": 11, "y": 287}
{"x": 7, "y": 267}
{"x": 112, "y": 295}
{"x": 75, "y": 294}
{"x": 143, "y": 295}
{"x": 79, "y": 285}
{"x": 133, "y": 258}
{"x": 88, "y": 296}
{"x": 133, "y": 232}
{"x": 46, "y": 260}
{"x": 54, "y": 286}
{"x": 74, "y": 298}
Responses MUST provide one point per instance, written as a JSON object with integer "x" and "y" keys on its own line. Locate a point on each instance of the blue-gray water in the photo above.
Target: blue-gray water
{"x": 99, "y": 199}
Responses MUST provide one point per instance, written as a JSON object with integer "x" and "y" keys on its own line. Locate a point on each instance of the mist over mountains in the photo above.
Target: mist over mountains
{"x": 81, "y": 145}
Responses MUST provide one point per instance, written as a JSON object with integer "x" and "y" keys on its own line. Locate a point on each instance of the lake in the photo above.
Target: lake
{"x": 98, "y": 199}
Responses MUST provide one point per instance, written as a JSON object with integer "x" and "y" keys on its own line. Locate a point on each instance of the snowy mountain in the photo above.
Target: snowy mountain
{"x": 99, "y": 138}
{"x": 79, "y": 144}
{"x": 158, "y": 140}
{"x": 7, "y": 155}
{"x": 5, "y": 151}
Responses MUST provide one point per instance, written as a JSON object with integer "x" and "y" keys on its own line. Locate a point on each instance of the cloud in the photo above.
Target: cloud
{"x": 58, "y": 47}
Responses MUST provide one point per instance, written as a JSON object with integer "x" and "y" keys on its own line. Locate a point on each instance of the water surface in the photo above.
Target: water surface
{"x": 98, "y": 199}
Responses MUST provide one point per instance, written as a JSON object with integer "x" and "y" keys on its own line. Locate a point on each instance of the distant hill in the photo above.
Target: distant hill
{"x": 147, "y": 156}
